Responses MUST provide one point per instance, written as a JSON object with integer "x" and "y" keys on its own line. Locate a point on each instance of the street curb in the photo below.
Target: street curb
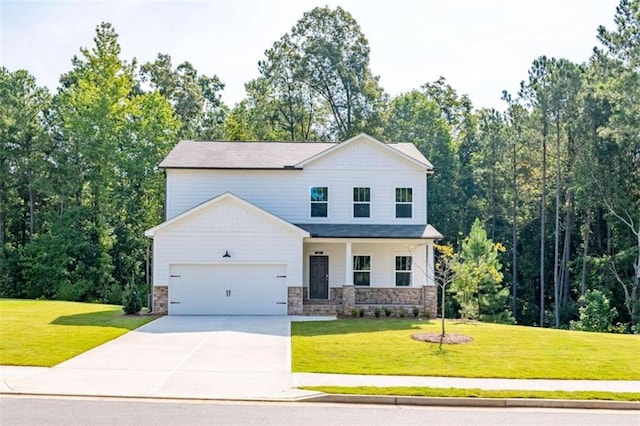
{"x": 154, "y": 397}
{"x": 376, "y": 400}
{"x": 474, "y": 402}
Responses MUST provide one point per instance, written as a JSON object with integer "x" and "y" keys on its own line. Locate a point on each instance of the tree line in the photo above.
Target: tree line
{"x": 554, "y": 177}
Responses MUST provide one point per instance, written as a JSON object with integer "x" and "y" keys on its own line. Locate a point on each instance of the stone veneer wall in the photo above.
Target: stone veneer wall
{"x": 343, "y": 300}
{"x": 348, "y": 299}
{"x": 389, "y": 296}
{"x": 430, "y": 298}
{"x": 160, "y": 299}
{"x": 294, "y": 300}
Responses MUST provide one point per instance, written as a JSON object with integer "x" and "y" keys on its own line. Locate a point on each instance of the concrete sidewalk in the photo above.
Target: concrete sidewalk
{"x": 256, "y": 385}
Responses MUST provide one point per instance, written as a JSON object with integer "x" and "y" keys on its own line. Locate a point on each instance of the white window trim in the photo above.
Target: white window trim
{"x": 353, "y": 204}
{"x": 395, "y": 282}
{"x": 326, "y": 202}
{"x": 395, "y": 203}
{"x": 353, "y": 255}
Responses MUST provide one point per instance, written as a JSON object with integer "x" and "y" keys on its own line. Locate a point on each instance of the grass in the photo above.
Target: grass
{"x": 477, "y": 393}
{"x": 46, "y": 333}
{"x": 385, "y": 347}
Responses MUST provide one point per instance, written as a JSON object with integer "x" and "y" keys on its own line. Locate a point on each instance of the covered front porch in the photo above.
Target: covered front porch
{"x": 347, "y": 274}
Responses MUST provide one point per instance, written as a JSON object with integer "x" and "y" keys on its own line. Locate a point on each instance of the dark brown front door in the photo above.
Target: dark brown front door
{"x": 319, "y": 277}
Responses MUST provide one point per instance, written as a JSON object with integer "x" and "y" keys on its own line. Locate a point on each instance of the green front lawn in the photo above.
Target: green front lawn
{"x": 477, "y": 393}
{"x": 45, "y": 333}
{"x": 352, "y": 346}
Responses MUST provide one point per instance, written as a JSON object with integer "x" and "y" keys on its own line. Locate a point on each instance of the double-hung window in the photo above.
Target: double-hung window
{"x": 361, "y": 202}
{"x": 362, "y": 270}
{"x": 319, "y": 197}
{"x": 404, "y": 202}
{"x": 403, "y": 271}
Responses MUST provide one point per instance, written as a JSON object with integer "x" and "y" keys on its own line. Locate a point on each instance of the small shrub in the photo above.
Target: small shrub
{"x": 402, "y": 312}
{"x": 377, "y": 312}
{"x": 131, "y": 303}
{"x": 416, "y": 311}
{"x": 354, "y": 312}
{"x": 388, "y": 311}
{"x": 427, "y": 314}
{"x": 68, "y": 291}
{"x": 595, "y": 313}
{"x": 361, "y": 313}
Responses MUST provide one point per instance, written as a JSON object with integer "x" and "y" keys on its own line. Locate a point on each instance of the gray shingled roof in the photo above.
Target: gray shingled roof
{"x": 256, "y": 155}
{"x": 327, "y": 230}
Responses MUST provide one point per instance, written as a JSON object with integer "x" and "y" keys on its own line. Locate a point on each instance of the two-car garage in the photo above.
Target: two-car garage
{"x": 227, "y": 289}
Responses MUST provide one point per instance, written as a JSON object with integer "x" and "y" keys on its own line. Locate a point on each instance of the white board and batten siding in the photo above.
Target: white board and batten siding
{"x": 285, "y": 193}
{"x": 264, "y": 256}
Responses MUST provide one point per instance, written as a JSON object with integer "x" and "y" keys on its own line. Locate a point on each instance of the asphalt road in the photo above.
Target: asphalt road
{"x": 32, "y": 411}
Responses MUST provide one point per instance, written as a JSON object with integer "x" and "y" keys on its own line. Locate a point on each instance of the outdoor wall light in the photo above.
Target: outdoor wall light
{"x": 226, "y": 254}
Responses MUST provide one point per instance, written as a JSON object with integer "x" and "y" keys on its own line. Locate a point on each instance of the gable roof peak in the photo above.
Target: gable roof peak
{"x": 413, "y": 156}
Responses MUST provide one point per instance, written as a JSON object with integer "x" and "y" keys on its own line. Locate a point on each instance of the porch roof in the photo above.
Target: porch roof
{"x": 329, "y": 230}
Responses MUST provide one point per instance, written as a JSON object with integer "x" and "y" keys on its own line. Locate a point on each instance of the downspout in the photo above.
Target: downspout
{"x": 148, "y": 275}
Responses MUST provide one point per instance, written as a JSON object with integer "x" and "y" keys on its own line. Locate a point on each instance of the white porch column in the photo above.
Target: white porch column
{"x": 430, "y": 265}
{"x": 348, "y": 276}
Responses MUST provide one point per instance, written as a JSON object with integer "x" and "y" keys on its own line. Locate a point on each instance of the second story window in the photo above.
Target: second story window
{"x": 319, "y": 201}
{"x": 361, "y": 202}
{"x": 404, "y": 202}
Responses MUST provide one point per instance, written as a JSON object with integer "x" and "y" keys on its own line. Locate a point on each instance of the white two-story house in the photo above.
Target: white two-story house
{"x": 276, "y": 228}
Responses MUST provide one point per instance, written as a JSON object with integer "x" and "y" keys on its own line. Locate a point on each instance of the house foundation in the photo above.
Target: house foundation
{"x": 399, "y": 301}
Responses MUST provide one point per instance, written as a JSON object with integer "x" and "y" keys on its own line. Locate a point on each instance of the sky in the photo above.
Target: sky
{"x": 481, "y": 47}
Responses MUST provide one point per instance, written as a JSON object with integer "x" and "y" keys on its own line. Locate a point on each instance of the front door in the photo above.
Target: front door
{"x": 319, "y": 277}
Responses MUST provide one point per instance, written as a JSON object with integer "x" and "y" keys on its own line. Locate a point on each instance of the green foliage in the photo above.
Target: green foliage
{"x": 416, "y": 311}
{"x": 377, "y": 312}
{"x": 195, "y": 98}
{"x": 131, "y": 303}
{"x": 388, "y": 311}
{"x": 595, "y": 313}
{"x": 319, "y": 79}
{"x": 477, "y": 284}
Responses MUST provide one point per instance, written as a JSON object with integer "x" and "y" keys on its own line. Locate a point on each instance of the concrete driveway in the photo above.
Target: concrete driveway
{"x": 180, "y": 357}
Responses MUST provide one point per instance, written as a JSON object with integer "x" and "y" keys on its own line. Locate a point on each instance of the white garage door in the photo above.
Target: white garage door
{"x": 228, "y": 290}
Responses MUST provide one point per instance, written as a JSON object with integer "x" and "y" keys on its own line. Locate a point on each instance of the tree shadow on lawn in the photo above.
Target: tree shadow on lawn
{"x": 350, "y": 326}
{"x": 108, "y": 318}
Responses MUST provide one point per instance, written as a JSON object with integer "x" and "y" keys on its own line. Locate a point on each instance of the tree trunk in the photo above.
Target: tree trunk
{"x": 556, "y": 236}
{"x": 566, "y": 253}
{"x": 543, "y": 202}
{"x": 442, "y": 306}
{"x": 2, "y": 212}
{"x": 32, "y": 208}
{"x": 585, "y": 252}
{"x": 494, "y": 203}
{"x": 514, "y": 234}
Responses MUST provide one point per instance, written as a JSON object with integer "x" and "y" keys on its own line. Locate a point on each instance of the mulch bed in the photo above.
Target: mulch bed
{"x": 449, "y": 339}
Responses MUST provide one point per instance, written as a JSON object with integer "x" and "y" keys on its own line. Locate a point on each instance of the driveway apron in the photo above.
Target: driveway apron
{"x": 226, "y": 357}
